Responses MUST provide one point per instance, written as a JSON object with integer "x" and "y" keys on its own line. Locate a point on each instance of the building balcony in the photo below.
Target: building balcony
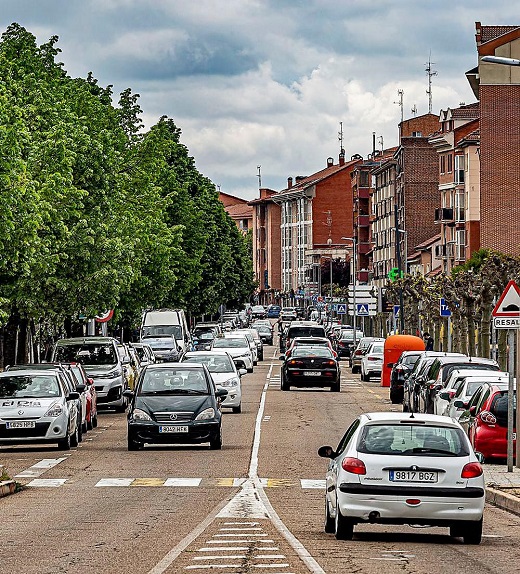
{"x": 364, "y": 247}
{"x": 363, "y": 192}
{"x": 444, "y": 251}
{"x": 363, "y": 221}
{"x": 444, "y": 215}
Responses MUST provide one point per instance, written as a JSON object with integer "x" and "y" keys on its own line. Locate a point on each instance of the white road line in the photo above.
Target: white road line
{"x": 182, "y": 482}
{"x": 270, "y": 556}
{"x": 47, "y": 482}
{"x": 270, "y": 565}
{"x": 227, "y": 557}
{"x": 40, "y": 467}
{"x": 238, "y": 535}
{"x": 247, "y": 528}
{"x": 241, "y": 523}
{"x": 223, "y": 549}
{"x": 115, "y": 482}
{"x": 263, "y": 541}
{"x": 213, "y": 566}
{"x": 312, "y": 483}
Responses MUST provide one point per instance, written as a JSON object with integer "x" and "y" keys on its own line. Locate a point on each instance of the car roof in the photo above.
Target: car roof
{"x": 312, "y": 339}
{"x": 77, "y": 340}
{"x": 408, "y": 418}
{"x": 477, "y": 373}
{"x": 25, "y": 372}
{"x": 157, "y": 366}
{"x": 212, "y": 353}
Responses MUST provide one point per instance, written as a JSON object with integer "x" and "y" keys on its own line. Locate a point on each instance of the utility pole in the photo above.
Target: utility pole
{"x": 259, "y": 176}
{"x": 400, "y": 94}
{"x": 399, "y": 267}
{"x": 430, "y": 74}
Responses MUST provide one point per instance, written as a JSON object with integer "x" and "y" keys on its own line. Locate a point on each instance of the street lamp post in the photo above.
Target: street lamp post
{"x": 329, "y": 243}
{"x": 354, "y": 262}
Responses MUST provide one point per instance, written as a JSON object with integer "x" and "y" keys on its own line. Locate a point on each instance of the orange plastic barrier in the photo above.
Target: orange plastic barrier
{"x": 394, "y": 346}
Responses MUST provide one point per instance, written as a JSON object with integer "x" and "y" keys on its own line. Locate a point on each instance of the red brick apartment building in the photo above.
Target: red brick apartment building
{"x": 316, "y": 212}
{"x": 498, "y": 89}
{"x": 238, "y": 209}
{"x": 266, "y": 246}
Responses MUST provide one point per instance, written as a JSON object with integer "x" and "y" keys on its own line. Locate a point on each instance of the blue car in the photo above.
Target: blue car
{"x": 274, "y": 311}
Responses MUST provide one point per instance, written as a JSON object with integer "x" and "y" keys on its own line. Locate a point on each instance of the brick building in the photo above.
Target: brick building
{"x": 498, "y": 89}
{"x": 266, "y": 246}
{"x": 238, "y": 209}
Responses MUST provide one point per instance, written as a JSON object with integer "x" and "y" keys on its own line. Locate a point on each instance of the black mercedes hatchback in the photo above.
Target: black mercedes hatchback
{"x": 175, "y": 403}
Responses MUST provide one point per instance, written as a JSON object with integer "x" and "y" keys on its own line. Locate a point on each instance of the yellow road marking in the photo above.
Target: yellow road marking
{"x": 148, "y": 482}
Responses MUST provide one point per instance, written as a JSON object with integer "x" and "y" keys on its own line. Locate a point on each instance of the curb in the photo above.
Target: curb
{"x": 503, "y": 500}
{"x": 7, "y": 487}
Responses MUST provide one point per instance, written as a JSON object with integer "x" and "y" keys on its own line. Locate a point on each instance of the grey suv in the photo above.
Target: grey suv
{"x": 100, "y": 358}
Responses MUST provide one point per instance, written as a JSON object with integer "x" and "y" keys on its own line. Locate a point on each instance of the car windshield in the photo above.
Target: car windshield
{"x": 311, "y": 351}
{"x": 204, "y": 335}
{"x": 174, "y": 382}
{"x": 263, "y": 329}
{"x": 349, "y": 335}
{"x": 471, "y": 388}
{"x": 215, "y": 364}
{"x": 162, "y": 343}
{"x": 86, "y": 354}
{"x": 412, "y": 440}
{"x": 29, "y": 387}
{"x": 159, "y": 330}
{"x": 306, "y": 332}
{"x": 499, "y": 407}
{"x": 230, "y": 343}
{"x": 376, "y": 350}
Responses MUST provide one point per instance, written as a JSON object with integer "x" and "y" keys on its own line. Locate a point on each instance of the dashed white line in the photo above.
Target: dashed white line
{"x": 40, "y": 467}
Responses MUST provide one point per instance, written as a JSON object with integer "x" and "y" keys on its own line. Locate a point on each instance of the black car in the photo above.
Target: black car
{"x": 175, "y": 403}
{"x": 265, "y": 332}
{"x": 310, "y": 367}
{"x": 401, "y": 370}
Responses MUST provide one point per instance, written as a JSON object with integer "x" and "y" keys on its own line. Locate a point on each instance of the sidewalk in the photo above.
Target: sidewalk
{"x": 502, "y": 487}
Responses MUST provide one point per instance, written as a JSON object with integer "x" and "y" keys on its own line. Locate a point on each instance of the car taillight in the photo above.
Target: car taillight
{"x": 471, "y": 470}
{"x": 358, "y": 352}
{"x": 354, "y": 465}
{"x": 487, "y": 417}
{"x": 295, "y": 363}
{"x": 330, "y": 363}
{"x": 373, "y": 359}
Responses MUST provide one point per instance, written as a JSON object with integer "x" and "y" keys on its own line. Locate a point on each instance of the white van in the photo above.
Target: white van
{"x": 165, "y": 323}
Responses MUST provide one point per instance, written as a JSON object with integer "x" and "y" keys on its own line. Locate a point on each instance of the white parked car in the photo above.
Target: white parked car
{"x": 415, "y": 469}
{"x": 372, "y": 361}
{"x": 238, "y": 348}
{"x": 224, "y": 374}
{"x": 37, "y": 407}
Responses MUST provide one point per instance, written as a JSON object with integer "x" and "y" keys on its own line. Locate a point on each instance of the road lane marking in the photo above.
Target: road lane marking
{"x": 183, "y": 482}
{"x": 47, "y": 482}
{"x": 40, "y": 467}
{"x": 263, "y": 541}
{"x": 115, "y": 482}
{"x": 312, "y": 483}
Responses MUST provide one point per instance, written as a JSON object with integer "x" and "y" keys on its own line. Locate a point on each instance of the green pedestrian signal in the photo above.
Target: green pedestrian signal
{"x": 395, "y": 274}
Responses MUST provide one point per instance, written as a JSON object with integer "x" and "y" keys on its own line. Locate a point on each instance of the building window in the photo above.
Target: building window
{"x": 443, "y": 164}
{"x": 459, "y": 169}
{"x": 450, "y": 163}
{"x": 417, "y": 134}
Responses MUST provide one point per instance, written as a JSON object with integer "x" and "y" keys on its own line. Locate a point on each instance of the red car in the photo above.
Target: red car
{"x": 485, "y": 420}
{"x": 91, "y": 397}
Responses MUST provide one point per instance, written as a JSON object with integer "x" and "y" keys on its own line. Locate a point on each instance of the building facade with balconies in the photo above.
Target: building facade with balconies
{"x": 450, "y": 214}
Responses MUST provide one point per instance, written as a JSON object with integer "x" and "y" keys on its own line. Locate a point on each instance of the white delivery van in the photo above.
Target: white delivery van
{"x": 166, "y": 323}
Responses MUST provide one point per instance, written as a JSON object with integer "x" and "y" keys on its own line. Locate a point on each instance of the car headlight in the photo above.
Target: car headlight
{"x": 54, "y": 411}
{"x": 233, "y": 382}
{"x": 244, "y": 356}
{"x": 140, "y": 415}
{"x": 206, "y": 414}
{"x": 110, "y": 375}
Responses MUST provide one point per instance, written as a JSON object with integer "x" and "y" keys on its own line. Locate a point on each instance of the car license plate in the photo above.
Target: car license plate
{"x": 20, "y": 425}
{"x": 312, "y": 373}
{"x": 167, "y": 429}
{"x": 413, "y": 476}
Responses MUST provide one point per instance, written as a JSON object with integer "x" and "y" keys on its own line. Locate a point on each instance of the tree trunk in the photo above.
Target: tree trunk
{"x": 445, "y": 325}
{"x": 485, "y": 331}
{"x": 502, "y": 348}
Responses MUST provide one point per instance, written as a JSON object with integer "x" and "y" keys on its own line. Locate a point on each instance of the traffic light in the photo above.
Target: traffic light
{"x": 386, "y": 306}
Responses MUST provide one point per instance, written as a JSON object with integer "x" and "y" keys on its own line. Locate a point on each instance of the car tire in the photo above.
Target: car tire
{"x": 74, "y": 438}
{"x": 84, "y": 427}
{"x": 237, "y": 409}
{"x": 255, "y": 363}
{"x": 90, "y": 425}
{"x": 80, "y": 432}
{"x": 330, "y": 523}
{"x": 94, "y": 421}
{"x": 355, "y": 370}
{"x": 134, "y": 445}
{"x": 472, "y": 533}
{"x": 336, "y": 387}
{"x": 283, "y": 383}
{"x": 343, "y": 527}
{"x": 405, "y": 408}
{"x": 216, "y": 443}
{"x": 122, "y": 407}
{"x": 64, "y": 443}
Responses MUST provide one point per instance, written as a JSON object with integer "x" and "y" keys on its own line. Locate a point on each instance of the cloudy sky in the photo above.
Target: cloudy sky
{"x": 267, "y": 82}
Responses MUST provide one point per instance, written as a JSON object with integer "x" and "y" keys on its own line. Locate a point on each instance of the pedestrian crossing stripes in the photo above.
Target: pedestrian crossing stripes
{"x": 303, "y": 483}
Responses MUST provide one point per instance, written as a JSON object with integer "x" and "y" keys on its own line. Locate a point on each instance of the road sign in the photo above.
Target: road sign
{"x": 509, "y": 303}
{"x": 362, "y": 310}
{"x": 397, "y": 310}
{"x": 341, "y": 309}
{"x": 444, "y": 311}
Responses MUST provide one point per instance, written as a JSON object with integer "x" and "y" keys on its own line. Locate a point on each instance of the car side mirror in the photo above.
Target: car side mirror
{"x": 326, "y": 452}
{"x": 81, "y": 388}
{"x": 281, "y": 358}
{"x": 445, "y": 396}
{"x": 458, "y": 404}
{"x": 242, "y": 372}
{"x": 480, "y": 457}
{"x": 73, "y": 396}
{"x": 220, "y": 392}
{"x": 90, "y": 381}
{"x": 389, "y": 365}
{"x": 128, "y": 394}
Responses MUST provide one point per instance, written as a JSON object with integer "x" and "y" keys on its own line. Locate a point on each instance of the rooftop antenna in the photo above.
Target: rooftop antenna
{"x": 340, "y": 139}
{"x": 430, "y": 73}
{"x": 414, "y": 111}
{"x": 380, "y": 142}
{"x": 259, "y": 176}
{"x": 218, "y": 188}
{"x": 400, "y": 94}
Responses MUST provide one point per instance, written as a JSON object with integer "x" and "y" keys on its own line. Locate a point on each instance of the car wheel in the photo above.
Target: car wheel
{"x": 237, "y": 409}
{"x": 355, "y": 370}
{"x": 285, "y": 386}
{"x": 134, "y": 445}
{"x": 84, "y": 427}
{"x": 343, "y": 527}
{"x": 336, "y": 387}
{"x": 330, "y": 526}
{"x": 123, "y": 406}
{"x": 94, "y": 421}
{"x": 80, "y": 432}
{"x": 405, "y": 408}
{"x": 255, "y": 363}
{"x": 216, "y": 443}
{"x": 64, "y": 443}
{"x": 472, "y": 532}
{"x": 250, "y": 370}
{"x": 90, "y": 425}
{"x": 74, "y": 439}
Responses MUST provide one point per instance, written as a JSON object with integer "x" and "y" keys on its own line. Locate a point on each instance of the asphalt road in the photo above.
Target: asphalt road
{"x": 256, "y": 506}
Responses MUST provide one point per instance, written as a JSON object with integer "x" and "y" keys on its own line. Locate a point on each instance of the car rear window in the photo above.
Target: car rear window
{"x": 309, "y": 331}
{"x": 311, "y": 351}
{"x": 499, "y": 407}
{"x": 377, "y": 349}
{"x": 412, "y": 440}
{"x": 448, "y": 369}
